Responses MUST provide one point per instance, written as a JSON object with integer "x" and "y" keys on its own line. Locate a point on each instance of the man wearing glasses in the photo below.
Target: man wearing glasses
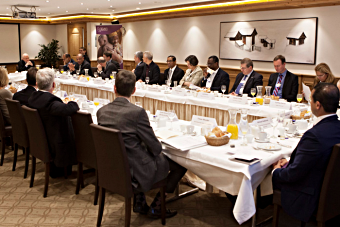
{"x": 173, "y": 73}
{"x": 246, "y": 79}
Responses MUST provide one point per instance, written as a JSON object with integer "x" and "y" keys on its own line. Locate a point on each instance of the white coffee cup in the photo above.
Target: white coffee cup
{"x": 219, "y": 95}
{"x": 262, "y": 136}
{"x": 190, "y": 129}
{"x": 292, "y": 128}
{"x": 281, "y": 131}
{"x": 302, "y": 124}
{"x": 255, "y": 131}
{"x": 249, "y": 138}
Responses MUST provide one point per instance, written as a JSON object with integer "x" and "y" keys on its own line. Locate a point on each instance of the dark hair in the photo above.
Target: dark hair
{"x": 31, "y": 76}
{"x": 280, "y": 57}
{"x": 139, "y": 55}
{"x": 248, "y": 62}
{"x": 125, "y": 83}
{"x": 108, "y": 54}
{"x": 214, "y": 58}
{"x": 172, "y": 57}
{"x": 328, "y": 96}
{"x": 83, "y": 48}
{"x": 67, "y": 56}
{"x": 192, "y": 59}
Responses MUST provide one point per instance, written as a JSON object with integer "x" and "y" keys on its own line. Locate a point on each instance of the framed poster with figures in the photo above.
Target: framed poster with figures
{"x": 262, "y": 40}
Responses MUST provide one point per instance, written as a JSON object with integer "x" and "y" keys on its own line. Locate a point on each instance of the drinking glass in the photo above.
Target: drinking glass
{"x": 172, "y": 115}
{"x": 281, "y": 116}
{"x": 175, "y": 83}
{"x": 111, "y": 76}
{"x": 299, "y": 98}
{"x": 244, "y": 129}
{"x": 223, "y": 89}
{"x": 96, "y": 102}
{"x": 147, "y": 79}
{"x": 139, "y": 104}
{"x": 274, "y": 124}
{"x": 253, "y": 92}
{"x": 95, "y": 74}
{"x": 77, "y": 71}
{"x": 168, "y": 82}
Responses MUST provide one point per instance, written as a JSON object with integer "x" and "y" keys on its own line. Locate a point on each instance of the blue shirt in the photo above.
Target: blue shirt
{"x": 66, "y": 66}
{"x": 279, "y": 93}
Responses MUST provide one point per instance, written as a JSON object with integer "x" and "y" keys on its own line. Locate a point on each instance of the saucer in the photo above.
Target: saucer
{"x": 262, "y": 141}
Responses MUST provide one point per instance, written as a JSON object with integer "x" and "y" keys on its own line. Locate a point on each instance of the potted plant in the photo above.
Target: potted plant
{"x": 48, "y": 54}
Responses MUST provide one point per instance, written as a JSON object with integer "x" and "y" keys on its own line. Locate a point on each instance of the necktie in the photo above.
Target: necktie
{"x": 169, "y": 75}
{"x": 277, "y": 88}
{"x": 240, "y": 85}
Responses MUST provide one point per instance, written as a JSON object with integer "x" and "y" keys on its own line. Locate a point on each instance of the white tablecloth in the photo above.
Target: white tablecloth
{"x": 15, "y": 77}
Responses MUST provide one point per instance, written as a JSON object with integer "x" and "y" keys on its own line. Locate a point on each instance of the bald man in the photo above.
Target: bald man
{"x": 24, "y": 64}
{"x": 105, "y": 68}
{"x": 81, "y": 65}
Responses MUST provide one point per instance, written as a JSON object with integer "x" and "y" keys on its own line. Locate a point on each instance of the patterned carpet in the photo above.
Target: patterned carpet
{"x": 24, "y": 206}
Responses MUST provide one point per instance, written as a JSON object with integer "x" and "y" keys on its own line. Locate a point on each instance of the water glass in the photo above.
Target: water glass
{"x": 147, "y": 79}
{"x": 223, "y": 89}
{"x": 172, "y": 115}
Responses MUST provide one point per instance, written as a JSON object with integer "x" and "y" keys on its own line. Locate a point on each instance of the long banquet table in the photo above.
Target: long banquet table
{"x": 185, "y": 106}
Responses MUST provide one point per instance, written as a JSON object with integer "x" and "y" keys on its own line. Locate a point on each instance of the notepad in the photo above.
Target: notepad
{"x": 184, "y": 143}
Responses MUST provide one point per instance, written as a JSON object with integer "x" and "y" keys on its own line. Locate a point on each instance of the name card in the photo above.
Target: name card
{"x": 154, "y": 89}
{"x": 238, "y": 100}
{"x": 280, "y": 105}
{"x": 203, "y": 121}
{"x": 165, "y": 114}
{"x": 264, "y": 122}
{"x": 303, "y": 109}
{"x": 179, "y": 92}
{"x": 207, "y": 96}
{"x": 80, "y": 97}
{"x": 288, "y": 114}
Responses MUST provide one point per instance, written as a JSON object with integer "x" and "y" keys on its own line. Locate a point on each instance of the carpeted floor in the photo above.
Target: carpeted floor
{"x": 24, "y": 206}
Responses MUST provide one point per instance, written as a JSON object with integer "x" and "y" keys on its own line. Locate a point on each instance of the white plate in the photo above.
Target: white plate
{"x": 262, "y": 141}
{"x": 270, "y": 147}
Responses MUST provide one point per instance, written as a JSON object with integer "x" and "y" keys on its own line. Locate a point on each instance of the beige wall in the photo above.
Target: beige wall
{"x": 61, "y": 35}
{"x": 200, "y": 36}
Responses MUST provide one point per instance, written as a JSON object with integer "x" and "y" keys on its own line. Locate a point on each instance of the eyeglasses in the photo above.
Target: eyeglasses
{"x": 243, "y": 68}
{"x": 169, "y": 61}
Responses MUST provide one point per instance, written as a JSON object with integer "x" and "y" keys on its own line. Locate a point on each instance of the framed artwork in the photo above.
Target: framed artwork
{"x": 262, "y": 40}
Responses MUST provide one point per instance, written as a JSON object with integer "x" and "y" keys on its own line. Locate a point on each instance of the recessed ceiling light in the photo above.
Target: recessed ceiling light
{"x": 48, "y": 13}
{"x": 91, "y": 12}
{"x": 81, "y": 3}
{"x": 66, "y": 11}
{"x": 113, "y": 10}
{"x": 7, "y": 8}
{"x": 111, "y": 6}
{"x": 47, "y": 1}
{"x": 58, "y": 7}
{"x": 87, "y": 8}
{"x": 139, "y": 3}
{"x": 39, "y": 9}
{"x": 137, "y": 8}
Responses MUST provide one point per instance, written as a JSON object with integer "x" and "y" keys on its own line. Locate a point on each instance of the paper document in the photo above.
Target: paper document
{"x": 185, "y": 143}
{"x": 307, "y": 92}
{"x": 166, "y": 134}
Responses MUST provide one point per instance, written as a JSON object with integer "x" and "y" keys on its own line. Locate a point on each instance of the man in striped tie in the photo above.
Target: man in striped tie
{"x": 284, "y": 83}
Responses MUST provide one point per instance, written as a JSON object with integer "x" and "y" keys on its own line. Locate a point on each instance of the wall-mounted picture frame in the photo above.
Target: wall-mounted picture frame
{"x": 262, "y": 40}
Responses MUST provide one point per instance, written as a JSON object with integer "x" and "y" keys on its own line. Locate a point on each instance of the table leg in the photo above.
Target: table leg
{"x": 253, "y": 220}
{"x": 182, "y": 195}
{"x": 209, "y": 188}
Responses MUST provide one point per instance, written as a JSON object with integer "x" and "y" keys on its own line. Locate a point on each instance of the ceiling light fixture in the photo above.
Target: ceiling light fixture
{"x": 137, "y": 8}
{"x": 47, "y": 1}
{"x": 81, "y": 3}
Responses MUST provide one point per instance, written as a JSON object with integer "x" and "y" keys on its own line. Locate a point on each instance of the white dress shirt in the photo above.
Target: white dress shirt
{"x": 244, "y": 81}
{"x": 210, "y": 79}
{"x": 171, "y": 72}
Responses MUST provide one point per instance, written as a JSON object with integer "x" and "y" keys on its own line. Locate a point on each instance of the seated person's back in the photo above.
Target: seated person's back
{"x": 23, "y": 95}
{"x": 5, "y": 94}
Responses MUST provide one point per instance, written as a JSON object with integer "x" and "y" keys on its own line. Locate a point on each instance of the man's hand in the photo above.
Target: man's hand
{"x": 233, "y": 93}
{"x": 279, "y": 164}
{"x": 99, "y": 67}
{"x": 140, "y": 81}
{"x": 29, "y": 63}
{"x": 71, "y": 66}
{"x": 187, "y": 84}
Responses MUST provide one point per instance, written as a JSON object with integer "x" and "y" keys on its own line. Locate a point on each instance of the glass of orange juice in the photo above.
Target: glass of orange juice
{"x": 299, "y": 97}
{"x": 232, "y": 126}
{"x": 96, "y": 102}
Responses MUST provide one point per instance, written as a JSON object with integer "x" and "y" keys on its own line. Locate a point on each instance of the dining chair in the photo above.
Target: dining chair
{"x": 5, "y": 132}
{"x": 329, "y": 206}
{"x": 19, "y": 129}
{"x": 86, "y": 154}
{"x": 114, "y": 171}
{"x": 38, "y": 143}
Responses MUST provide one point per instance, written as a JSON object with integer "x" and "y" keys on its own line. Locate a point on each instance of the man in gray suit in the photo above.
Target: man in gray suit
{"x": 147, "y": 163}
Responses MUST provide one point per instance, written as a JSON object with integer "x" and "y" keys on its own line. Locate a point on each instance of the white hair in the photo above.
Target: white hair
{"x": 148, "y": 54}
{"x": 45, "y": 79}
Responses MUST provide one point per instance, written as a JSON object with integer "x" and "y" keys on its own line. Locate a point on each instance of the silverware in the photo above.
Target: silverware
{"x": 258, "y": 148}
{"x": 288, "y": 146}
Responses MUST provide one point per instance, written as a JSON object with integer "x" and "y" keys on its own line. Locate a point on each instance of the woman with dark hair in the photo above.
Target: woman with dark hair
{"x": 194, "y": 73}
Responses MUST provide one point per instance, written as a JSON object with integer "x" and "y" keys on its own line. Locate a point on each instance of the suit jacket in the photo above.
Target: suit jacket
{"x": 23, "y": 95}
{"x": 22, "y": 67}
{"x": 55, "y": 116}
{"x": 290, "y": 86}
{"x": 255, "y": 79}
{"x": 115, "y": 63}
{"x": 65, "y": 67}
{"x": 147, "y": 163}
{"x": 221, "y": 78}
{"x": 177, "y": 75}
{"x": 110, "y": 67}
{"x": 139, "y": 70}
{"x": 84, "y": 65}
{"x": 154, "y": 73}
{"x": 195, "y": 77}
{"x": 300, "y": 182}
{"x": 86, "y": 58}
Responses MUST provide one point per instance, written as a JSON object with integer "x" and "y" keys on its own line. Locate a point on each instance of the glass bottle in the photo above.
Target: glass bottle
{"x": 267, "y": 97}
{"x": 259, "y": 97}
{"x": 232, "y": 126}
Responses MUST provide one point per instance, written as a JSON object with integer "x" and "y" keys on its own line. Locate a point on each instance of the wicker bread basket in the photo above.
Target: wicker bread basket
{"x": 294, "y": 117}
{"x": 217, "y": 141}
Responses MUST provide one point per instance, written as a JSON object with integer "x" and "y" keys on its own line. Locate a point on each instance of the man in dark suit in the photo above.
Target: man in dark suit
{"x": 138, "y": 71}
{"x": 247, "y": 79}
{"x": 284, "y": 83}
{"x": 55, "y": 116}
{"x": 147, "y": 163}
{"x": 216, "y": 79}
{"x": 150, "y": 69}
{"x": 83, "y": 51}
{"x": 67, "y": 59}
{"x": 300, "y": 182}
{"x": 81, "y": 65}
{"x": 23, "y": 95}
{"x": 173, "y": 73}
{"x": 25, "y": 63}
{"x": 104, "y": 69}
{"x": 108, "y": 58}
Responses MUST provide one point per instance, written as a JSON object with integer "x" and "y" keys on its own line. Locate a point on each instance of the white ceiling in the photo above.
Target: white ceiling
{"x": 50, "y": 8}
